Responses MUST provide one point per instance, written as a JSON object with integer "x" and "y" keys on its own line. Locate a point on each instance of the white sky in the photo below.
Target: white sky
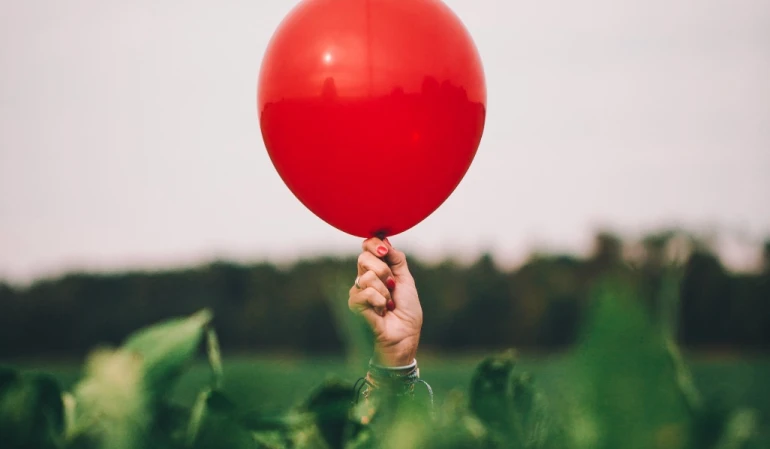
{"x": 129, "y": 134}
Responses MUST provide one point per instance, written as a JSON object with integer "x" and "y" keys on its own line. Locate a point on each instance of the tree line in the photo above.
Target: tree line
{"x": 267, "y": 307}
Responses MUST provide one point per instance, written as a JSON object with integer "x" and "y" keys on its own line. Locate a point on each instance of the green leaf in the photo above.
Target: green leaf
{"x": 117, "y": 404}
{"x": 456, "y": 427}
{"x": 489, "y": 398}
{"x": 209, "y": 402}
{"x": 329, "y": 405}
{"x": 166, "y": 348}
{"x": 622, "y": 387}
{"x": 508, "y": 402}
{"x": 740, "y": 428}
{"x": 215, "y": 359}
{"x": 214, "y": 424}
{"x": 31, "y": 411}
{"x": 196, "y": 417}
{"x": 111, "y": 406}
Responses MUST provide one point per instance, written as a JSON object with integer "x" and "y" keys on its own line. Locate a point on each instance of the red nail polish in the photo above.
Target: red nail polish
{"x": 381, "y": 250}
{"x": 391, "y": 284}
{"x": 391, "y": 305}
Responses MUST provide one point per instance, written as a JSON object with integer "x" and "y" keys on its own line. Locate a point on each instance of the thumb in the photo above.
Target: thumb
{"x": 397, "y": 261}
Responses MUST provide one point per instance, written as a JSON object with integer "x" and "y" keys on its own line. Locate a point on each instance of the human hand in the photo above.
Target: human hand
{"x": 386, "y": 297}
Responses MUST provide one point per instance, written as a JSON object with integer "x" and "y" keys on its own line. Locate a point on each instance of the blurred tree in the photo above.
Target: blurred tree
{"x": 483, "y": 319}
{"x": 551, "y": 294}
{"x": 264, "y": 307}
{"x": 766, "y": 258}
{"x": 608, "y": 250}
{"x": 705, "y": 296}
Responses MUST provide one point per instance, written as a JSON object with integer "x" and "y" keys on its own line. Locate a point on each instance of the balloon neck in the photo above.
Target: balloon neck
{"x": 380, "y": 235}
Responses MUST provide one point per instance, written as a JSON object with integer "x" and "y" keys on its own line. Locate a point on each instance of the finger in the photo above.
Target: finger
{"x": 369, "y": 262}
{"x": 375, "y": 246}
{"x": 367, "y": 299}
{"x": 370, "y": 315}
{"x": 370, "y": 279}
{"x": 396, "y": 260}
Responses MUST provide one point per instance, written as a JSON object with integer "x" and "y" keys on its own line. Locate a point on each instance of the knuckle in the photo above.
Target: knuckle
{"x": 373, "y": 296}
{"x": 379, "y": 301}
{"x": 369, "y": 276}
{"x": 384, "y": 273}
{"x": 380, "y": 286}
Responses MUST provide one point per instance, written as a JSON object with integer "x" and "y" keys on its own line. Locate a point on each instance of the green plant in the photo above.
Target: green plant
{"x": 623, "y": 386}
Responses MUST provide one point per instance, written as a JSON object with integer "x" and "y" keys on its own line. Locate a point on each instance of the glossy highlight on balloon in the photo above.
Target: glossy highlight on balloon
{"x": 371, "y": 110}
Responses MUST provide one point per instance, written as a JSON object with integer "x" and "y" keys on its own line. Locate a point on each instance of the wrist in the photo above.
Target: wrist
{"x": 400, "y": 354}
{"x": 394, "y": 380}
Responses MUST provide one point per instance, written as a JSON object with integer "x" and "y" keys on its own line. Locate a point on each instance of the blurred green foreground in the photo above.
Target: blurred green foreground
{"x": 624, "y": 385}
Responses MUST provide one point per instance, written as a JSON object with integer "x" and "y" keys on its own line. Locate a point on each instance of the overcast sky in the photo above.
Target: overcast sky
{"x": 129, "y": 133}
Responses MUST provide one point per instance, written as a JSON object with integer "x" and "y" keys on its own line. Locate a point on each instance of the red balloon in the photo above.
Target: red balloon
{"x": 372, "y": 110}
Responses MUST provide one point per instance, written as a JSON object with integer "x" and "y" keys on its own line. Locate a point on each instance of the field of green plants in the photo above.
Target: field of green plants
{"x": 624, "y": 385}
{"x": 279, "y": 382}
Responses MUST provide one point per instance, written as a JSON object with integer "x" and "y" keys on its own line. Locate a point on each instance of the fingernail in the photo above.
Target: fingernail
{"x": 391, "y": 305}
{"x": 390, "y": 283}
{"x": 381, "y": 250}
{"x": 386, "y": 241}
{"x": 383, "y": 312}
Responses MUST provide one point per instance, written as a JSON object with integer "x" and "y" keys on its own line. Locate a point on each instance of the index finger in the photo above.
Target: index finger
{"x": 375, "y": 246}
{"x": 382, "y": 249}
{"x": 395, "y": 259}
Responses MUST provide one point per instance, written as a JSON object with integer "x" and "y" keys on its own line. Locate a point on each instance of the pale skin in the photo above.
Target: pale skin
{"x": 384, "y": 276}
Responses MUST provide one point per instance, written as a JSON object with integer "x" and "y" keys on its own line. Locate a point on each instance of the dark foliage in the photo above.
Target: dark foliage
{"x": 478, "y": 306}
